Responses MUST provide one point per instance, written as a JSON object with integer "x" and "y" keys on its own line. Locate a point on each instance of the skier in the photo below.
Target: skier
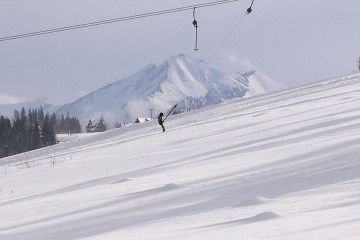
{"x": 161, "y": 121}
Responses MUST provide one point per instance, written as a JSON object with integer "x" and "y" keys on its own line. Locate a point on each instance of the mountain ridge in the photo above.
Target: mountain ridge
{"x": 190, "y": 83}
{"x": 8, "y": 109}
{"x": 180, "y": 79}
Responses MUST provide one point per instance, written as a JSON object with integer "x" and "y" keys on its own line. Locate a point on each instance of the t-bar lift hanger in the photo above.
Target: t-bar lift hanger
{"x": 249, "y": 10}
{"x": 195, "y": 23}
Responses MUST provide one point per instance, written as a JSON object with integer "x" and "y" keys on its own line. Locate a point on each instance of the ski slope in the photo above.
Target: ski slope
{"x": 277, "y": 166}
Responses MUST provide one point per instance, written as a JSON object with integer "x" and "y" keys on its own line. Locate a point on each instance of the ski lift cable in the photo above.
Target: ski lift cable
{"x": 227, "y": 38}
{"x": 248, "y": 11}
{"x": 120, "y": 19}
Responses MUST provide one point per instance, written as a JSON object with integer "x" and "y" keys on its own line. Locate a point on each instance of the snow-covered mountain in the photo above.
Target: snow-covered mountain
{"x": 8, "y": 109}
{"x": 181, "y": 79}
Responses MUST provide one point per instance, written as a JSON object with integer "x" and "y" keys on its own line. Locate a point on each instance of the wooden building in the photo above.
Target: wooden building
{"x": 98, "y": 126}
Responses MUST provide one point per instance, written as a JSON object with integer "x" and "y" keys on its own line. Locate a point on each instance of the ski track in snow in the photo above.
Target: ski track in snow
{"x": 278, "y": 166}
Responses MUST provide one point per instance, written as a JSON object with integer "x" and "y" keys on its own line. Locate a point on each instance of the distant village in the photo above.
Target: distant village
{"x": 100, "y": 125}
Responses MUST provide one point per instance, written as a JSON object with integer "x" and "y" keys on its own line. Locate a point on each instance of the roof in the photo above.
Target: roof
{"x": 142, "y": 120}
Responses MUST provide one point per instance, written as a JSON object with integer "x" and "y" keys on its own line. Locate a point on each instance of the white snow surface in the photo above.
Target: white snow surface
{"x": 181, "y": 80}
{"x": 277, "y": 166}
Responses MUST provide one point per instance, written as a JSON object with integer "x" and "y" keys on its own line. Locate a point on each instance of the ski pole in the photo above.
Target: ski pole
{"x": 170, "y": 112}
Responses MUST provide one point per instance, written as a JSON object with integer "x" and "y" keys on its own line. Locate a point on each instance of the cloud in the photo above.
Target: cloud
{"x": 236, "y": 62}
{"x": 8, "y": 99}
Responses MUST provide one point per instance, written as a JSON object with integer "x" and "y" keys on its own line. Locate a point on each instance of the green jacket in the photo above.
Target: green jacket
{"x": 160, "y": 120}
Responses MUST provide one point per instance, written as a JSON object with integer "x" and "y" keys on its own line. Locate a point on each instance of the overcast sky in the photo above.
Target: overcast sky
{"x": 292, "y": 41}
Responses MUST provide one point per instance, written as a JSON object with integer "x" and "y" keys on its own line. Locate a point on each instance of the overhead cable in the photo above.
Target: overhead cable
{"x": 114, "y": 20}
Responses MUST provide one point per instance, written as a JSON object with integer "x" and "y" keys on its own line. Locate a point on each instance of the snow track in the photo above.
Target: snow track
{"x": 277, "y": 166}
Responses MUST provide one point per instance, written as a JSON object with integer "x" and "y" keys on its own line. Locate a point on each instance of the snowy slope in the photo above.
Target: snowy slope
{"x": 276, "y": 166}
{"x": 189, "y": 82}
{"x": 8, "y": 109}
{"x": 259, "y": 83}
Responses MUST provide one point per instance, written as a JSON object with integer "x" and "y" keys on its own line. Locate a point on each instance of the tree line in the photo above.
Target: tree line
{"x": 33, "y": 130}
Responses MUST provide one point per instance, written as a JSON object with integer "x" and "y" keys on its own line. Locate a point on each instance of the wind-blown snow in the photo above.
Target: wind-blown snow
{"x": 276, "y": 166}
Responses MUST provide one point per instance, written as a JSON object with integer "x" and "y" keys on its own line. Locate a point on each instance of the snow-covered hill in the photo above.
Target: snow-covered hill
{"x": 8, "y": 109}
{"x": 272, "y": 167}
{"x": 181, "y": 79}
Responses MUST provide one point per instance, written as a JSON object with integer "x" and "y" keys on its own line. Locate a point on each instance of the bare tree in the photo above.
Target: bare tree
{"x": 358, "y": 64}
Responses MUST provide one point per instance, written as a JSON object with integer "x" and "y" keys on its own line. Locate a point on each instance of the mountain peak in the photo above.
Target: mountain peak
{"x": 181, "y": 59}
{"x": 44, "y": 100}
{"x": 8, "y": 110}
{"x": 180, "y": 79}
{"x": 180, "y": 56}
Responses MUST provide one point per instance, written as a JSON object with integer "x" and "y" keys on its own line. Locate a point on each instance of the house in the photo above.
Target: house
{"x": 99, "y": 126}
{"x": 142, "y": 120}
{"x": 119, "y": 124}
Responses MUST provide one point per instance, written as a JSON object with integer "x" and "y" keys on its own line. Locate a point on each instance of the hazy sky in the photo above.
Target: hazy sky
{"x": 292, "y": 41}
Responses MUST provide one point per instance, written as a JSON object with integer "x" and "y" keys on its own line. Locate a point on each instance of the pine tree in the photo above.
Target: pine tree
{"x": 16, "y": 115}
{"x": 24, "y": 132}
{"x": 30, "y": 119}
{"x": 25, "y": 125}
{"x": 41, "y": 116}
{"x": 23, "y": 114}
{"x": 35, "y": 116}
{"x": 61, "y": 124}
{"x": 48, "y": 133}
{"x": 5, "y": 131}
{"x": 78, "y": 126}
{"x": 36, "y": 136}
{"x": 54, "y": 122}
{"x": 68, "y": 124}
{"x": 15, "y": 137}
